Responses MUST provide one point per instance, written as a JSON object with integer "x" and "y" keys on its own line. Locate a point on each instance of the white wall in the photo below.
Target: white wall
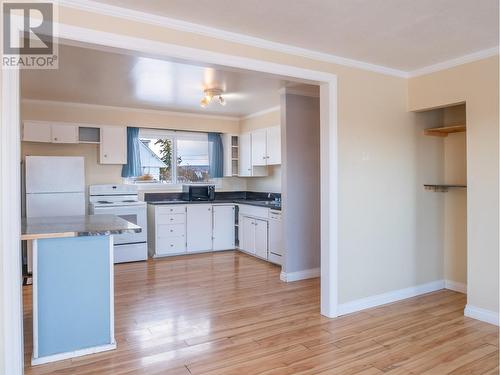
{"x": 300, "y": 135}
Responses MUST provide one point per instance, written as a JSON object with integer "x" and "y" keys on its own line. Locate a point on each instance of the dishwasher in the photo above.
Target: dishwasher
{"x": 275, "y": 237}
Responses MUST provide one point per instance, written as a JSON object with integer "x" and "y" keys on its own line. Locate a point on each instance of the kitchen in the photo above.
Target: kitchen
{"x": 203, "y": 182}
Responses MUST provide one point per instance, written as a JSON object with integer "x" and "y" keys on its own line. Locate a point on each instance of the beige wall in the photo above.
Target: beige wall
{"x": 265, "y": 120}
{"x": 382, "y": 209}
{"x": 378, "y": 197}
{"x": 476, "y": 84}
{"x": 272, "y": 182}
{"x": 455, "y": 200}
{"x": 96, "y": 173}
{"x": 105, "y": 115}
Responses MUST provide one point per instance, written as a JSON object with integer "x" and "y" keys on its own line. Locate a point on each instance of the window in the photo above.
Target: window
{"x": 172, "y": 157}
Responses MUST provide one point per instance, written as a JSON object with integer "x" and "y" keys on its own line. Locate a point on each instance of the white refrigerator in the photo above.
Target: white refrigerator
{"x": 55, "y": 186}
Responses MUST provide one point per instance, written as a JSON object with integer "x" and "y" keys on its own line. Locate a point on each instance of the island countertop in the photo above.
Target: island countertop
{"x": 75, "y": 226}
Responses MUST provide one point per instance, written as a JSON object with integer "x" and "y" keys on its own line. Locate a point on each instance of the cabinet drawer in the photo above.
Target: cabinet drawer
{"x": 173, "y": 245}
{"x": 172, "y": 209}
{"x": 260, "y": 212}
{"x": 171, "y": 219}
{"x": 170, "y": 230}
{"x": 274, "y": 215}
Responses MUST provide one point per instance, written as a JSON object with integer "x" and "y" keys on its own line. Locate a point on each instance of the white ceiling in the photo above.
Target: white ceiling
{"x": 96, "y": 77}
{"x": 400, "y": 34}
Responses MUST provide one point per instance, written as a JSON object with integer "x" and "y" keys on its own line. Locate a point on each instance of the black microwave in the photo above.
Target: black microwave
{"x": 198, "y": 192}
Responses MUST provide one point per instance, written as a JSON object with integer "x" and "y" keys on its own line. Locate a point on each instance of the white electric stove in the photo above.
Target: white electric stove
{"x": 122, "y": 201}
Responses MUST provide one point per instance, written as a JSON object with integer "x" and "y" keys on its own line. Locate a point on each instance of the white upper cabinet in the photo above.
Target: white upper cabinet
{"x": 113, "y": 148}
{"x": 246, "y": 166}
{"x": 37, "y": 132}
{"x": 64, "y": 133}
{"x": 245, "y": 160}
{"x": 273, "y": 137}
{"x": 266, "y": 146}
{"x": 259, "y": 152}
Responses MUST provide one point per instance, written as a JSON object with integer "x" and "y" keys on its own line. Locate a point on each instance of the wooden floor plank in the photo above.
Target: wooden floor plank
{"x": 229, "y": 313}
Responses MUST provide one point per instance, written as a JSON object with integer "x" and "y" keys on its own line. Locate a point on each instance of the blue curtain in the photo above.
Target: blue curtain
{"x": 133, "y": 167}
{"x": 215, "y": 155}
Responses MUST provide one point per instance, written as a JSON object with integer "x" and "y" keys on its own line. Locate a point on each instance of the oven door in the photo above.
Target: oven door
{"x": 135, "y": 215}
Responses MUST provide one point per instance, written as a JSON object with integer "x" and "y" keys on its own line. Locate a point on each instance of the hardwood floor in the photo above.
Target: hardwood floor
{"x": 228, "y": 313}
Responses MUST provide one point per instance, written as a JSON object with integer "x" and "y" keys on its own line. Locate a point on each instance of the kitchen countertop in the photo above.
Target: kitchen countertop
{"x": 268, "y": 204}
{"x": 75, "y": 226}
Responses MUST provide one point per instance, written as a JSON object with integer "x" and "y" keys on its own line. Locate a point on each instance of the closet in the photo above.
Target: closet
{"x": 451, "y": 183}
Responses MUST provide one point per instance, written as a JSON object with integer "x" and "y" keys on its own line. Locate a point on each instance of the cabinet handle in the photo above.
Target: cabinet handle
{"x": 55, "y": 139}
{"x": 105, "y": 155}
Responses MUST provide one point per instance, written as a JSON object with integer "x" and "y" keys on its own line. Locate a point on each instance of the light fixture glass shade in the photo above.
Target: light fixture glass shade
{"x": 204, "y": 102}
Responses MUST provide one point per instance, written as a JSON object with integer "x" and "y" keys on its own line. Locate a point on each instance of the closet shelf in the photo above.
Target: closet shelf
{"x": 443, "y": 188}
{"x": 445, "y": 130}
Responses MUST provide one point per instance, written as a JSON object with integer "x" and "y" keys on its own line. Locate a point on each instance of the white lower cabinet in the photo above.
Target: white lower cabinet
{"x": 247, "y": 234}
{"x": 253, "y": 236}
{"x": 261, "y": 238}
{"x": 166, "y": 230}
{"x": 253, "y": 230}
{"x": 178, "y": 229}
{"x": 223, "y": 228}
{"x": 199, "y": 227}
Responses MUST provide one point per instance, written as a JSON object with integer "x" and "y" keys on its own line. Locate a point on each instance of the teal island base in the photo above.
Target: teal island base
{"x": 73, "y": 297}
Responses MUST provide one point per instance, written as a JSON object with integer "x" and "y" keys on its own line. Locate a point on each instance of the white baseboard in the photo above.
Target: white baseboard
{"x": 76, "y": 353}
{"x": 483, "y": 315}
{"x": 389, "y": 297}
{"x": 455, "y": 286}
{"x": 300, "y": 275}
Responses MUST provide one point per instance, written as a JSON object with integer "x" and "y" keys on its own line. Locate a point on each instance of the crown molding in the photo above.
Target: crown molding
{"x": 129, "y": 109}
{"x": 471, "y": 57}
{"x": 166, "y": 22}
{"x": 261, "y": 113}
{"x": 174, "y": 24}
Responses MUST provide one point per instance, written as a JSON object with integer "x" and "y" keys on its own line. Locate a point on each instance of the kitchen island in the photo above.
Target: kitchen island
{"x": 73, "y": 293}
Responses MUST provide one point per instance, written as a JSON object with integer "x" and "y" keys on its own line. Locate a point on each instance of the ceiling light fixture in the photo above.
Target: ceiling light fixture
{"x": 209, "y": 94}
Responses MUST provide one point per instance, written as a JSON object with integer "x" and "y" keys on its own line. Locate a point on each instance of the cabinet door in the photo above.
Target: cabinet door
{"x": 36, "y": 132}
{"x": 64, "y": 133}
{"x": 261, "y": 238}
{"x": 113, "y": 149}
{"x": 245, "y": 155}
{"x": 223, "y": 227}
{"x": 274, "y": 145}
{"x": 259, "y": 154}
{"x": 199, "y": 227}
{"x": 247, "y": 240}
